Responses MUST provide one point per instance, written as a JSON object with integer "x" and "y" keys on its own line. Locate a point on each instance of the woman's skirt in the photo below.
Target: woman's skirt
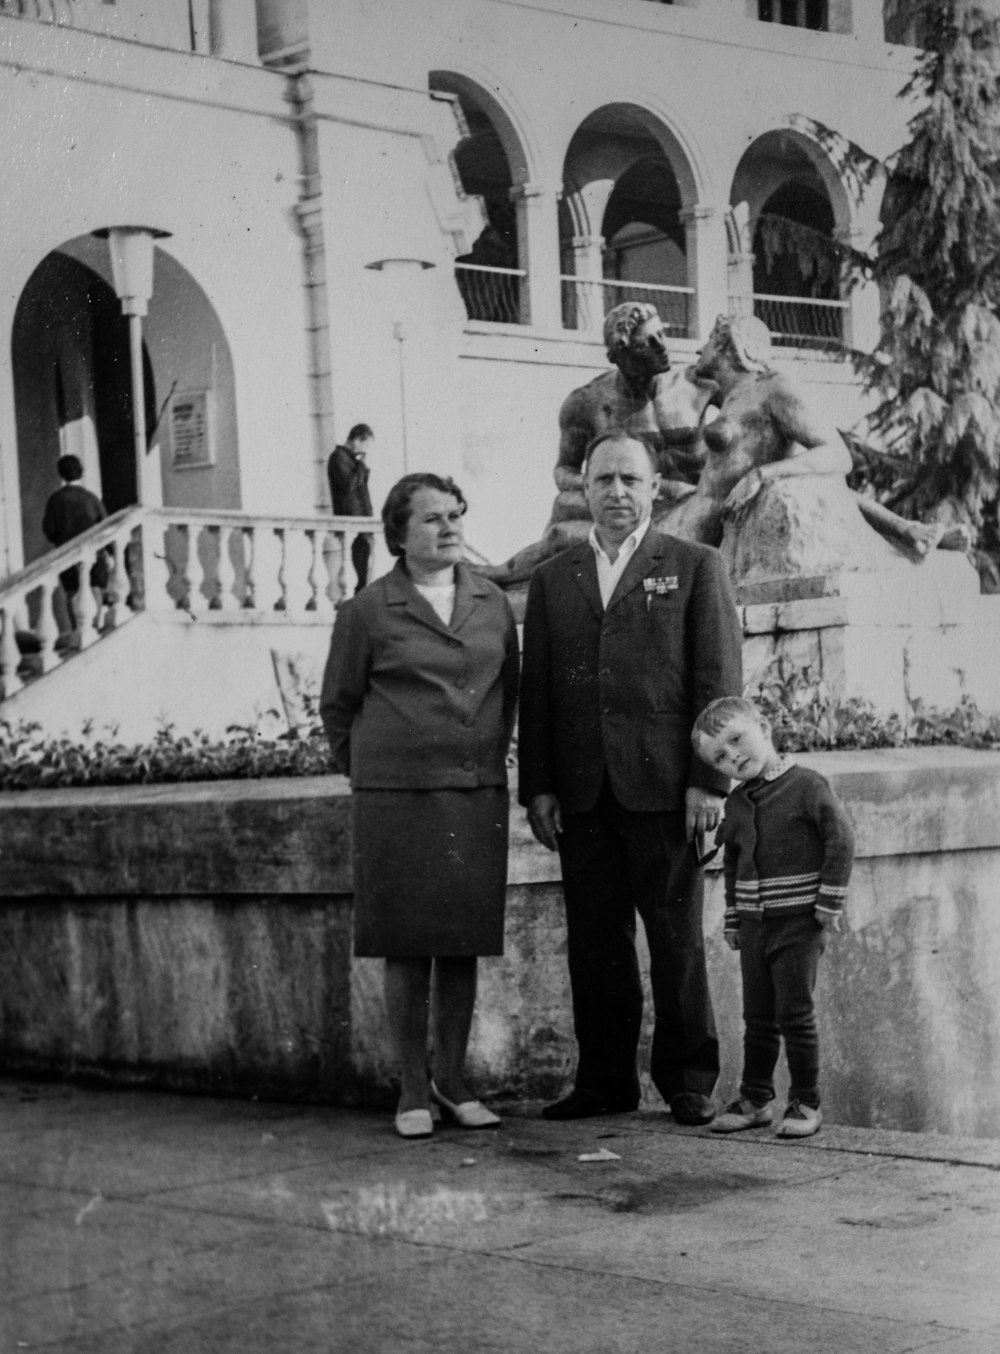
{"x": 430, "y": 872}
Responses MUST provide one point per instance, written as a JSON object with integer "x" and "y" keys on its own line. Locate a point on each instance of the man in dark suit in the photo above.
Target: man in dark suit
{"x": 348, "y": 471}
{"x": 627, "y": 637}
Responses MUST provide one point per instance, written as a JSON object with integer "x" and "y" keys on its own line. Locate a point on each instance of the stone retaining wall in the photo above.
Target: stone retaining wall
{"x": 198, "y": 937}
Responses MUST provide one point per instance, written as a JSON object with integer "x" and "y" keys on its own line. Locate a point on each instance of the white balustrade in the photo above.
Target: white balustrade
{"x": 295, "y": 571}
{"x": 230, "y": 542}
{"x": 46, "y": 628}
{"x": 267, "y": 557}
{"x": 10, "y": 653}
{"x": 319, "y": 600}
{"x": 117, "y": 591}
{"x": 85, "y": 604}
{"x": 338, "y": 575}
{"x": 221, "y": 567}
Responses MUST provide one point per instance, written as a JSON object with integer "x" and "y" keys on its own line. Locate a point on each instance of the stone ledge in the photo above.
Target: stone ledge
{"x": 292, "y": 836}
{"x": 265, "y": 837}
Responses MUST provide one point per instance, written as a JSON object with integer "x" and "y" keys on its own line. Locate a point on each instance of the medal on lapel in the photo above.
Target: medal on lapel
{"x": 658, "y": 587}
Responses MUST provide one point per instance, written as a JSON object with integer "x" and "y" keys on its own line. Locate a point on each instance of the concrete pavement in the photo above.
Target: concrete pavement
{"x": 146, "y": 1223}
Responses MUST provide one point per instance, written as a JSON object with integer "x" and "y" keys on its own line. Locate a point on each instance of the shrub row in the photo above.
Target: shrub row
{"x": 803, "y": 716}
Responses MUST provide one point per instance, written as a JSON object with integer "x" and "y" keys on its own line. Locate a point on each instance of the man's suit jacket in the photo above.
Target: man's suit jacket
{"x": 410, "y": 703}
{"x": 617, "y": 691}
{"x": 348, "y": 476}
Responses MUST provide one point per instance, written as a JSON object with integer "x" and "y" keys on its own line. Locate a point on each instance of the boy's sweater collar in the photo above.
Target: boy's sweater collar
{"x": 784, "y": 764}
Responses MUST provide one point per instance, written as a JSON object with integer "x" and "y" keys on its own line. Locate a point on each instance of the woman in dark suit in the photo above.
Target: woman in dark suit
{"x": 418, "y": 703}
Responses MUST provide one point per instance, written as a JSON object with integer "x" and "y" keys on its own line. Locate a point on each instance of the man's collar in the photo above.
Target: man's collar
{"x": 628, "y": 546}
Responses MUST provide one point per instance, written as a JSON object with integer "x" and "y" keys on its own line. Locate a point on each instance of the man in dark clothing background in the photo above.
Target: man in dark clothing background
{"x": 70, "y": 511}
{"x": 348, "y": 471}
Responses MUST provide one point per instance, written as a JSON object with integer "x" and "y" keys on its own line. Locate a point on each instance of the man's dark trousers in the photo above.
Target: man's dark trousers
{"x": 361, "y": 553}
{"x": 616, "y": 862}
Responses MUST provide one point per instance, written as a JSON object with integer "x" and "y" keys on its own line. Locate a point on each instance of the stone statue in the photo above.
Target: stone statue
{"x": 641, "y": 395}
{"x": 763, "y": 432}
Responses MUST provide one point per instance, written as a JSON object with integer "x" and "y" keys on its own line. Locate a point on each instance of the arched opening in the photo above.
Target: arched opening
{"x": 644, "y": 240}
{"x": 73, "y": 390}
{"x": 792, "y": 262}
{"x": 621, "y": 228}
{"x": 489, "y": 276}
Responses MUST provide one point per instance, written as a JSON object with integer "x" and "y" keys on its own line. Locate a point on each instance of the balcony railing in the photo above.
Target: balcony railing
{"x": 586, "y": 301}
{"x": 802, "y": 321}
{"x": 490, "y": 293}
{"x": 495, "y": 294}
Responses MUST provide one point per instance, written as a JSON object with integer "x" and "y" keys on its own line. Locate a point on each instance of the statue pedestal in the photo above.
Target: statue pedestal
{"x": 903, "y": 633}
{"x": 822, "y": 589}
{"x": 802, "y": 527}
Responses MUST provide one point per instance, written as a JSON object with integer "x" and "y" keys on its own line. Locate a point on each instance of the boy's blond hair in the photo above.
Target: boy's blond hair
{"x": 717, "y": 714}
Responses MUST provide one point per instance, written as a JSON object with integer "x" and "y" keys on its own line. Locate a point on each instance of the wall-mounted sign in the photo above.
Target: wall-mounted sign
{"x": 191, "y": 439}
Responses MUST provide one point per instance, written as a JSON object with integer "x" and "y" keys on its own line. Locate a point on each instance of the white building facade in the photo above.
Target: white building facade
{"x": 414, "y": 215}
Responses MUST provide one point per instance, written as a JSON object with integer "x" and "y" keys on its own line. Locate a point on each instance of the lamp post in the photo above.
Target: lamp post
{"x": 403, "y": 270}
{"x": 131, "y": 249}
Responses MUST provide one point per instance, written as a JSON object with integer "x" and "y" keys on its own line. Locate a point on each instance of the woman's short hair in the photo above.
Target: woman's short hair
{"x": 397, "y": 510}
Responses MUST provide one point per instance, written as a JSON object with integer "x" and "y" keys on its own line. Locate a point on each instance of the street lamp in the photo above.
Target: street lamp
{"x": 403, "y": 270}
{"x": 131, "y": 249}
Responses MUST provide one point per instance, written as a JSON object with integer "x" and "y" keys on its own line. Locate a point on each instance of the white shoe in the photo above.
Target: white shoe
{"x": 800, "y": 1121}
{"x": 469, "y": 1114}
{"x": 742, "y": 1114}
{"x": 414, "y": 1123}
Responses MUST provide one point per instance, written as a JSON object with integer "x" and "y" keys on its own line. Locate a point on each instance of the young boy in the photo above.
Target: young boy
{"x": 788, "y": 851}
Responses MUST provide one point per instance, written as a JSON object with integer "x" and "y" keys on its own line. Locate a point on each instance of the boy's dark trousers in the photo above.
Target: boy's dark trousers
{"x": 779, "y": 959}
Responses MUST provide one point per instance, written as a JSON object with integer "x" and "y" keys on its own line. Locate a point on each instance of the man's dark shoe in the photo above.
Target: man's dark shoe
{"x": 688, "y": 1107}
{"x": 585, "y": 1104}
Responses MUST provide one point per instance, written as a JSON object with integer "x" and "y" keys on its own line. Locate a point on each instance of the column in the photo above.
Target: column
{"x": 739, "y": 262}
{"x": 705, "y": 248}
{"x": 588, "y": 268}
{"x": 232, "y": 30}
{"x": 864, "y": 305}
{"x": 538, "y": 253}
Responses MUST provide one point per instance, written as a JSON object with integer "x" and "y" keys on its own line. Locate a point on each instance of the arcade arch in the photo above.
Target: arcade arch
{"x": 628, "y": 191}
{"x": 72, "y": 387}
{"x": 792, "y": 210}
{"x": 489, "y": 161}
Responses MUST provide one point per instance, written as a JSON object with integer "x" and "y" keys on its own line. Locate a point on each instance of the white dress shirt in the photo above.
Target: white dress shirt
{"x": 610, "y": 571}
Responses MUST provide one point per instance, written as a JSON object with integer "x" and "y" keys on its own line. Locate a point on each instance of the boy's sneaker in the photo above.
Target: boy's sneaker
{"x": 742, "y": 1114}
{"x": 800, "y": 1121}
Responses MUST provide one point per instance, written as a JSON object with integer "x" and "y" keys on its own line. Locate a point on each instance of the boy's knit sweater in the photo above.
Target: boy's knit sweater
{"x": 788, "y": 848}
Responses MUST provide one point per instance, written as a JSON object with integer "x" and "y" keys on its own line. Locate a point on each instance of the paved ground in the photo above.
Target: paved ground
{"x": 156, "y": 1224}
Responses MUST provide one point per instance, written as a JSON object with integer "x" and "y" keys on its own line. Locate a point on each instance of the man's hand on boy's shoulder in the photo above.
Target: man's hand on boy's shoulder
{"x": 830, "y": 921}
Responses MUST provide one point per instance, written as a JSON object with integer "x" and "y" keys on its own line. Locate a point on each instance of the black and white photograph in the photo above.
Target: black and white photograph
{"x": 500, "y": 677}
